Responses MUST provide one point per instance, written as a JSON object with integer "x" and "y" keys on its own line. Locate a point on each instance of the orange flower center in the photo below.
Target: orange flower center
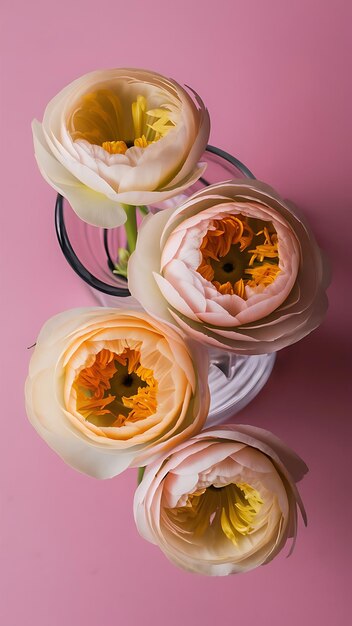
{"x": 238, "y": 251}
{"x": 116, "y": 389}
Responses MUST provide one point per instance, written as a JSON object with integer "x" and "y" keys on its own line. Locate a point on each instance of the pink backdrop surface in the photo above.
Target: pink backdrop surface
{"x": 274, "y": 75}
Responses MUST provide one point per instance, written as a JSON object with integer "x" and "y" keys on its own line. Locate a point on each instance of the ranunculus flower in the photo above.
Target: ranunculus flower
{"x": 222, "y": 502}
{"x": 120, "y": 136}
{"x": 108, "y": 389}
{"x": 234, "y": 267}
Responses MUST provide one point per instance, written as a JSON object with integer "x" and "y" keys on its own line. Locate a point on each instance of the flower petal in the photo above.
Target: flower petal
{"x": 92, "y": 207}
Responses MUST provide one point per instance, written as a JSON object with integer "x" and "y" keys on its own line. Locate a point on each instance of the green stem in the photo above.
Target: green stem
{"x": 131, "y": 226}
{"x": 143, "y": 209}
{"x": 141, "y": 471}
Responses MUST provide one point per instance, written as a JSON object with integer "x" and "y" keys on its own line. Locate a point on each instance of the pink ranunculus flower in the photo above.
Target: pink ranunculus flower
{"x": 121, "y": 136}
{"x": 223, "y": 502}
{"x": 234, "y": 266}
{"x": 108, "y": 389}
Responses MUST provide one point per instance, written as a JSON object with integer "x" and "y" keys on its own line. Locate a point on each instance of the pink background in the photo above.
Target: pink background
{"x": 274, "y": 74}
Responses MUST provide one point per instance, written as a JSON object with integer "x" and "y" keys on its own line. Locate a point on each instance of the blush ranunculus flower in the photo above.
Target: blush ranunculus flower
{"x": 108, "y": 389}
{"x": 223, "y": 502}
{"x": 121, "y": 136}
{"x": 234, "y": 267}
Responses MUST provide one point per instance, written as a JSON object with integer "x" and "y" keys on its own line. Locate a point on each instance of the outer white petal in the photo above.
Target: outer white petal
{"x": 198, "y": 146}
{"x": 144, "y": 261}
{"x": 92, "y": 207}
{"x": 153, "y": 197}
{"x": 57, "y": 432}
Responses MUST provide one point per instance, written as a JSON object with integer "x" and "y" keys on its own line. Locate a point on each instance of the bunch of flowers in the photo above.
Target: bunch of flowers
{"x": 232, "y": 268}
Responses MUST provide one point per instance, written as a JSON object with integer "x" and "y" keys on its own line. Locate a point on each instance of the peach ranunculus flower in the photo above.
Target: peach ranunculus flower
{"x": 222, "y": 502}
{"x": 234, "y": 267}
{"x": 108, "y": 389}
{"x": 121, "y": 136}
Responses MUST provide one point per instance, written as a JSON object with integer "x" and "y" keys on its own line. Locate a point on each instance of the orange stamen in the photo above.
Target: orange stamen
{"x": 234, "y": 233}
{"x": 94, "y": 395}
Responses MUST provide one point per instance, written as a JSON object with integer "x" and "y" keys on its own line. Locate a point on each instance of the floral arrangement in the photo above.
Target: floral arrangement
{"x": 231, "y": 269}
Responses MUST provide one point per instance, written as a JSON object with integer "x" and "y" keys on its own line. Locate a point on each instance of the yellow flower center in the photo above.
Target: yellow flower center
{"x": 231, "y": 510}
{"x": 228, "y": 260}
{"x": 99, "y": 119}
{"x": 116, "y": 389}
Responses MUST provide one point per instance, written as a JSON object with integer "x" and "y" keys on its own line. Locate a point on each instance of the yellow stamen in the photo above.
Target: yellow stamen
{"x": 138, "y": 115}
{"x": 102, "y": 389}
{"x": 238, "y": 517}
{"x": 141, "y": 142}
{"x": 225, "y": 233}
{"x": 229, "y": 264}
{"x": 231, "y": 289}
{"x": 163, "y": 123}
{"x": 99, "y": 119}
{"x": 145, "y": 130}
{"x": 232, "y": 510}
{"x": 95, "y": 379}
{"x": 114, "y": 147}
{"x": 262, "y": 275}
{"x": 268, "y": 249}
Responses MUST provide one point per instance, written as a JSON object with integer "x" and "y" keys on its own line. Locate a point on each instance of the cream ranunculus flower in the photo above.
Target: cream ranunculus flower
{"x": 120, "y": 136}
{"x": 234, "y": 267}
{"x": 108, "y": 389}
{"x": 223, "y": 502}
